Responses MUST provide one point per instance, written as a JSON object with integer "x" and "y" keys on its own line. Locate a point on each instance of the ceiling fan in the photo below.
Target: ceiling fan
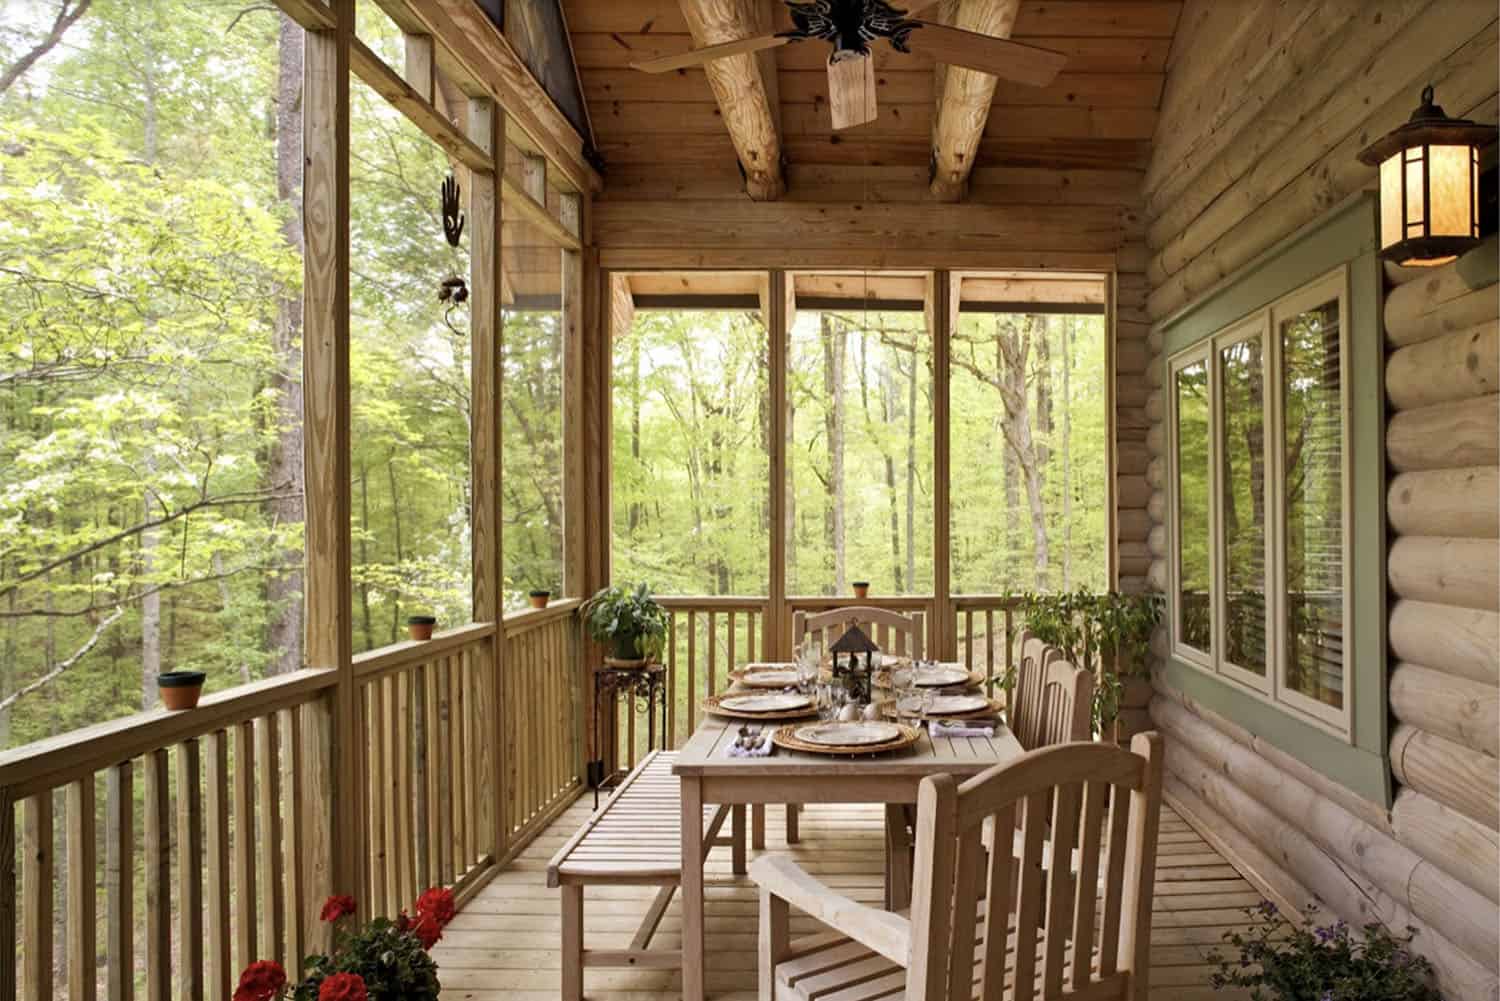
{"x": 850, "y": 26}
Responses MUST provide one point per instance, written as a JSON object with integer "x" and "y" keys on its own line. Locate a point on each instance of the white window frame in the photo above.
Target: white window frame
{"x": 1271, "y": 687}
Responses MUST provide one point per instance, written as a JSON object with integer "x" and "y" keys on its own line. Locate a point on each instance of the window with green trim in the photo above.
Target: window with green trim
{"x": 1259, "y": 494}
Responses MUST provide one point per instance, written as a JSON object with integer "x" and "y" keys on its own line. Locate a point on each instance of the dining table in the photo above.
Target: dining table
{"x": 709, "y": 775}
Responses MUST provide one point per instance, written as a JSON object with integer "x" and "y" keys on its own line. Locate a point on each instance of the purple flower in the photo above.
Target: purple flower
{"x": 1266, "y": 908}
{"x": 1327, "y": 996}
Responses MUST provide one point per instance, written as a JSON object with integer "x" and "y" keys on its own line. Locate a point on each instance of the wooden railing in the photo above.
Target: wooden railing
{"x": 216, "y": 835}
{"x": 208, "y": 837}
{"x": 986, "y": 627}
{"x": 541, "y": 719}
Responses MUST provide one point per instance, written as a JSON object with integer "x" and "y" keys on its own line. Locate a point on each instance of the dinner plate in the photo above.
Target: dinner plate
{"x": 778, "y": 703}
{"x": 941, "y": 677}
{"x": 849, "y": 734}
{"x": 769, "y": 677}
{"x": 945, "y": 705}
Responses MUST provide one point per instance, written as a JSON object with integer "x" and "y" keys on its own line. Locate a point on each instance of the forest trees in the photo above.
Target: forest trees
{"x": 150, "y": 361}
{"x": 1028, "y": 419}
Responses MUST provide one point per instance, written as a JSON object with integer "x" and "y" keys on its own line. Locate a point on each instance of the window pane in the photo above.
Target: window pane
{"x": 531, "y": 423}
{"x": 1193, "y": 506}
{"x": 1244, "y": 504}
{"x": 1029, "y": 452}
{"x": 1314, "y": 504}
{"x": 859, "y": 418}
{"x": 691, "y": 423}
{"x": 409, "y": 383}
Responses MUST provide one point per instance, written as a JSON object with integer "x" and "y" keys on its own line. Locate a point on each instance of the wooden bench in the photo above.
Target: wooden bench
{"x": 633, "y": 840}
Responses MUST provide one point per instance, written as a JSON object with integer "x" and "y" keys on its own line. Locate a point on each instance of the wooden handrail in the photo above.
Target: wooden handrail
{"x": 718, "y": 602}
{"x": 525, "y": 619}
{"x": 56, "y": 761}
{"x": 905, "y": 603}
{"x": 399, "y": 656}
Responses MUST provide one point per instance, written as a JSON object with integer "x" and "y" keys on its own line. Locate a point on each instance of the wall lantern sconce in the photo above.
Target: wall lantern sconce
{"x": 1429, "y": 185}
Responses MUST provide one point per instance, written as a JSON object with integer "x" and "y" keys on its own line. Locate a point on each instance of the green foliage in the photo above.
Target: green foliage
{"x": 1109, "y": 632}
{"x": 392, "y": 963}
{"x": 1281, "y": 960}
{"x": 627, "y": 616}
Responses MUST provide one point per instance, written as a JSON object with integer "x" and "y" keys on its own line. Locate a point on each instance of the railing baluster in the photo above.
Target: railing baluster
{"x": 443, "y": 774}
{"x": 989, "y": 643}
{"x": 158, "y": 877}
{"x": 83, "y": 957}
{"x": 8, "y": 925}
{"x": 405, "y": 841}
{"x": 692, "y": 668}
{"x": 730, "y": 665}
{"x": 36, "y": 876}
{"x": 375, "y": 730}
{"x": 218, "y": 976}
{"x": 672, "y": 678}
{"x": 246, "y": 904}
{"x": 422, "y": 872}
{"x": 119, "y": 882}
{"x": 294, "y": 829}
{"x": 189, "y": 872}
{"x": 269, "y": 845}
{"x": 713, "y": 647}
{"x": 457, "y": 701}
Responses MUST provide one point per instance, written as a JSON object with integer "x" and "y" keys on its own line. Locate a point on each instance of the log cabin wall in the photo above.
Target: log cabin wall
{"x": 1265, "y": 106}
{"x": 1056, "y": 182}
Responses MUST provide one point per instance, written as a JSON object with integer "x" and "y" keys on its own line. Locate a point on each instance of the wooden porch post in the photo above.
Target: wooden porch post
{"x": 778, "y": 625}
{"x": 942, "y": 312}
{"x": 576, "y": 521}
{"x": 333, "y": 789}
{"x": 486, "y": 129}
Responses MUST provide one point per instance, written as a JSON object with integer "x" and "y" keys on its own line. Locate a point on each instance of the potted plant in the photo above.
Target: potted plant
{"x": 383, "y": 961}
{"x": 628, "y": 621}
{"x": 539, "y": 599}
{"x": 1282, "y": 960}
{"x": 180, "y": 689}
{"x": 861, "y": 589}
{"x": 419, "y": 627}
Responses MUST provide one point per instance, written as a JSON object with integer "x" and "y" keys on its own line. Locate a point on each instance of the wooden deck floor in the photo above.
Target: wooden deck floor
{"x": 504, "y": 943}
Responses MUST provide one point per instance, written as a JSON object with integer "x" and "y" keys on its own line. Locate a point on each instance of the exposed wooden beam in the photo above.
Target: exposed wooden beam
{"x": 415, "y": 105}
{"x": 964, "y": 97}
{"x": 744, "y": 87}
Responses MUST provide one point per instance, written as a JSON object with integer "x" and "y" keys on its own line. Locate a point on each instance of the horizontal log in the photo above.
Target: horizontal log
{"x": 1460, "y": 503}
{"x": 1131, "y": 458}
{"x": 1157, "y": 541}
{"x": 1156, "y": 575}
{"x": 1465, "y": 850}
{"x": 1346, "y": 888}
{"x": 1132, "y": 491}
{"x": 1446, "y": 435}
{"x": 1266, "y": 207}
{"x": 1154, "y": 408}
{"x": 1132, "y": 524}
{"x": 1462, "y": 572}
{"x": 1441, "y": 302}
{"x": 1131, "y": 391}
{"x": 1448, "y": 772}
{"x": 1156, "y": 507}
{"x": 1134, "y": 585}
{"x": 1134, "y": 559}
{"x": 1466, "y": 712}
{"x": 1156, "y": 473}
{"x": 1452, "y": 909}
{"x": 1156, "y": 440}
{"x": 1395, "y": 274}
{"x": 1446, "y": 368}
{"x": 1463, "y": 642}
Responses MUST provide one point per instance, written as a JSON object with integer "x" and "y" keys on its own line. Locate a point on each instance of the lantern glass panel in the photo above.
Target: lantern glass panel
{"x": 1448, "y": 181}
{"x": 1415, "y": 209}
{"x": 1390, "y": 201}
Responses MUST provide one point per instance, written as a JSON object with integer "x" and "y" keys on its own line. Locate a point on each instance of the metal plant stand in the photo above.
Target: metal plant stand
{"x": 649, "y": 686}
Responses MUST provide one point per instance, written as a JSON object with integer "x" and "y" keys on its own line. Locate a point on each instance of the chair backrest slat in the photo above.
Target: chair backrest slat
{"x": 1053, "y": 699}
{"x": 894, "y": 632}
{"x": 1038, "y": 918}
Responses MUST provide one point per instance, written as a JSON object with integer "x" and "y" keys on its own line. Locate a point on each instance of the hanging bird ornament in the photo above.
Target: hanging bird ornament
{"x": 453, "y": 219}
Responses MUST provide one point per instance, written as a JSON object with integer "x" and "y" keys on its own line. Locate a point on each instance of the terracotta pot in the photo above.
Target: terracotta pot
{"x": 539, "y": 599}
{"x": 180, "y": 689}
{"x": 861, "y": 589}
{"x": 420, "y": 626}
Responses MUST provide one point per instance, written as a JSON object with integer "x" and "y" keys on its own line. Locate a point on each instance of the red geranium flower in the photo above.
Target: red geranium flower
{"x": 436, "y": 903}
{"x": 343, "y": 987}
{"x": 427, "y": 930}
{"x": 336, "y": 907}
{"x": 261, "y": 981}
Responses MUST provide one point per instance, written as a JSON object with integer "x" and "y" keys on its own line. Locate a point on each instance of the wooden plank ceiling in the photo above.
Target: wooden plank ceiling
{"x": 1084, "y": 140}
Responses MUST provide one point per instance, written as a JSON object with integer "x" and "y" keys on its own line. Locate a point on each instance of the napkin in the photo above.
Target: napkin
{"x": 735, "y": 750}
{"x": 960, "y": 728}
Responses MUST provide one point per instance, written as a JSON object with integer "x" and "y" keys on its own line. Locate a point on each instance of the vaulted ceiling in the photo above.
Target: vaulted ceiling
{"x": 1086, "y": 136}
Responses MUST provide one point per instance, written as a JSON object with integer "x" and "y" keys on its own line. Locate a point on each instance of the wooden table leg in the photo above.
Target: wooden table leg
{"x": 572, "y": 942}
{"x": 738, "y": 850}
{"x": 692, "y": 889}
{"x": 897, "y": 858}
{"x": 758, "y": 826}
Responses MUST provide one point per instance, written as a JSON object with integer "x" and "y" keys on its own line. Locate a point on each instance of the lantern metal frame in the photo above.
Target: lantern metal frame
{"x": 1427, "y": 127}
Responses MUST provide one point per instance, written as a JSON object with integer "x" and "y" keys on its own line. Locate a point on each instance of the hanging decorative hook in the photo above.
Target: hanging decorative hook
{"x": 453, "y": 219}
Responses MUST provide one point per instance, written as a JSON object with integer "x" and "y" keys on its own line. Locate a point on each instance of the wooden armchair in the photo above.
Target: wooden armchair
{"x": 1064, "y": 936}
{"x": 1053, "y": 700}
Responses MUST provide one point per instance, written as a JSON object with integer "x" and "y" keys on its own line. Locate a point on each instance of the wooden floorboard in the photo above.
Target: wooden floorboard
{"x": 503, "y": 945}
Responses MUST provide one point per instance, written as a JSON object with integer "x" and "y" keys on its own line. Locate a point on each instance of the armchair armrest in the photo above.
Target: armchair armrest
{"x": 886, "y": 933}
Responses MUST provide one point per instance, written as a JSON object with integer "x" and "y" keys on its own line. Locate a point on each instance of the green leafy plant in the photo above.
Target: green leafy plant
{"x": 1283, "y": 960}
{"x": 1110, "y": 633}
{"x": 629, "y": 619}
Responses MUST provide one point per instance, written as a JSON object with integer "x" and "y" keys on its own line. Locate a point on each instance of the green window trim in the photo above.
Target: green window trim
{"x": 1352, "y": 749}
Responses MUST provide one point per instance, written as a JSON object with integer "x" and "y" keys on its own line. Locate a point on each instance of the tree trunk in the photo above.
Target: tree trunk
{"x": 1067, "y": 452}
{"x": 634, "y": 516}
{"x": 1015, "y": 348}
{"x": 364, "y": 552}
{"x": 151, "y": 537}
{"x": 67, "y": 15}
{"x": 284, "y": 587}
{"x": 911, "y": 472}
{"x": 790, "y": 487}
{"x": 833, "y": 423}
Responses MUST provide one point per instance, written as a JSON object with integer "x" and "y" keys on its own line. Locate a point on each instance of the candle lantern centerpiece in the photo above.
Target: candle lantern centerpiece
{"x": 854, "y": 664}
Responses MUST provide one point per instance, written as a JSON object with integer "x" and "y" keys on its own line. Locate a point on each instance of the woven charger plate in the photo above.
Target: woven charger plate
{"x": 711, "y": 705}
{"x": 976, "y": 679}
{"x": 786, "y": 737}
{"x": 888, "y": 709}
